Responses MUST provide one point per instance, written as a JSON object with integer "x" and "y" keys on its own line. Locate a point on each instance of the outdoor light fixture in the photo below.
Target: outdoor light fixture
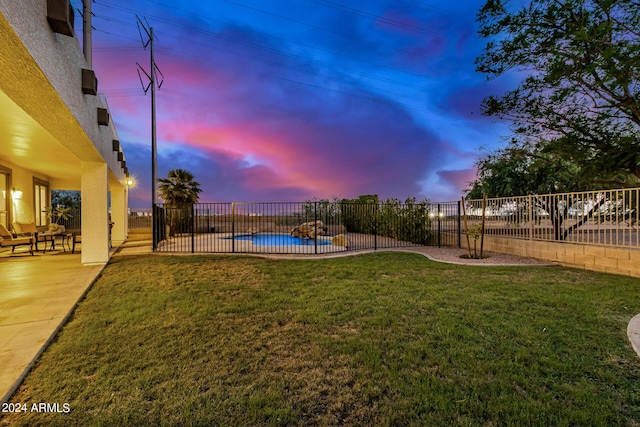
{"x": 130, "y": 182}
{"x": 16, "y": 194}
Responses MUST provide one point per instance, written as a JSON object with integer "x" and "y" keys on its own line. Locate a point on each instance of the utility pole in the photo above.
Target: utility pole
{"x": 152, "y": 76}
{"x": 86, "y": 33}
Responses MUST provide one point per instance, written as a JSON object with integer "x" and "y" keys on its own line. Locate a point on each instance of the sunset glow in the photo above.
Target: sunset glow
{"x": 290, "y": 100}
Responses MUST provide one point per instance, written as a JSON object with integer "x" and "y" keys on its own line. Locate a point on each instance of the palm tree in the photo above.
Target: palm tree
{"x": 179, "y": 191}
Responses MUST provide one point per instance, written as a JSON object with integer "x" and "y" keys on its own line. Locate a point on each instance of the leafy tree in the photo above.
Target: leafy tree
{"x": 359, "y": 214}
{"x": 409, "y": 220}
{"x": 515, "y": 172}
{"x": 324, "y": 210}
{"x": 66, "y": 198}
{"x": 576, "y": 115}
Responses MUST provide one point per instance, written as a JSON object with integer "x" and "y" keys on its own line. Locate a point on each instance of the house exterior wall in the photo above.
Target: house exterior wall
{"x": 22, "y": 210}
{"x": 42, "y": 80}
{"x": 58, "y": 63}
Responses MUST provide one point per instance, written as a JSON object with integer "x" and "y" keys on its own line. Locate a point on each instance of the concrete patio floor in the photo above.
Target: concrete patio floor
{"x": 37, "y": 294}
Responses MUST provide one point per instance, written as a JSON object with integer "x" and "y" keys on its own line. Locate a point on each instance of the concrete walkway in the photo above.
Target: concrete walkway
{"x": 39, "y": 293}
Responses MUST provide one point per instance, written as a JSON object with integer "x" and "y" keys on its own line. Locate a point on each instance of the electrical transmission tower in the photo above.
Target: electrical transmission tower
{"x": 152, "y": 76}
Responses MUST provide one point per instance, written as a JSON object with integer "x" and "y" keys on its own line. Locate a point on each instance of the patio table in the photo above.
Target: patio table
{"x": 50, "y": 236}
{"x": 66, "y": 238}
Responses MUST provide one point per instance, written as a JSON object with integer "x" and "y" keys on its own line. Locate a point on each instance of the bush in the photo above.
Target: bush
{"x": 409, "y": 220}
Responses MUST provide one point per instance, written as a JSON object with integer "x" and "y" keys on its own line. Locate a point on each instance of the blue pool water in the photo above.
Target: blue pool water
{"x": 279, "y": 240}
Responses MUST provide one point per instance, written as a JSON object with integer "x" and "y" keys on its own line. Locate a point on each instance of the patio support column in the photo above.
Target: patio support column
{"x": 119, "y": 215}
{"x": 95, "y": 216}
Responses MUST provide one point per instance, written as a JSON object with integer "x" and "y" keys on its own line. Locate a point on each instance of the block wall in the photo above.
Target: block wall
{"x": 596, "y": 258}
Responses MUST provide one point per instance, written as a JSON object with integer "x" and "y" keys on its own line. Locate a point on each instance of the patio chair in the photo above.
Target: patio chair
{"x": 30, "y": 229}
{"x": 7, "y": 239}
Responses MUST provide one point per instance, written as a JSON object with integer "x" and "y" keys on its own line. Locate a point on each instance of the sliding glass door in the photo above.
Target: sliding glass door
{"x": 41, "y": 194}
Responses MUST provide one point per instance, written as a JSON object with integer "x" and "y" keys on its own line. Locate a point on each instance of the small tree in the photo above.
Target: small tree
{"x": 475, "y": 231}
{"x": 56, "y": 214}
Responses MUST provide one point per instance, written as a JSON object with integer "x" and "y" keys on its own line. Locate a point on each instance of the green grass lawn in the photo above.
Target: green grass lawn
{"x": 377, "y": 339}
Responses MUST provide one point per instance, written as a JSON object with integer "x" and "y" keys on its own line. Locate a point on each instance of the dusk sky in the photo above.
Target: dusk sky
{"x": 295, "y": 99}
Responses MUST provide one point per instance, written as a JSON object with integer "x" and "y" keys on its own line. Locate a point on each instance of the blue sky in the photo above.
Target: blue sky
{"x": 290, "y": 100}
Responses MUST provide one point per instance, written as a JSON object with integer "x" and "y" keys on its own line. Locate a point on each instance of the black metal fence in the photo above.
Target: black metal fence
{"x": 137, "y": 218}
{"x": 73, "y": 222}
{"x": 304, "y": 227}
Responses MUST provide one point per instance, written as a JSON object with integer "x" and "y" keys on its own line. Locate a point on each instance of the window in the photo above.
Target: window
{"x": 41, "y": 195}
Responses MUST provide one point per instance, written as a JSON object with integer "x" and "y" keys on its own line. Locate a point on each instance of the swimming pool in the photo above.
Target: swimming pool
{"x": 278, "y": 240}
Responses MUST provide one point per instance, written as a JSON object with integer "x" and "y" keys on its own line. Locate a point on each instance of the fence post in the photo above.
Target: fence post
{"x": 193, "y": 227}
{"x": 154, "y": 226}
{"x": 315, "y": 227}
{"x": 375, "y": 227}
{"x": 530, "y": 217}
{"x": 233, "y": 228}
{"x": 439, "y": 236}
{"x": 459, "y": 226}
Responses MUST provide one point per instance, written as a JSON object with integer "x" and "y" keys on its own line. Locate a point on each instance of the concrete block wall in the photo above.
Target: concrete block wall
{"x": 621, "y": 261}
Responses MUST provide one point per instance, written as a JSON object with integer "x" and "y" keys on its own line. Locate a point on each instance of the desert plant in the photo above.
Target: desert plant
{"x": 475, "y": 231}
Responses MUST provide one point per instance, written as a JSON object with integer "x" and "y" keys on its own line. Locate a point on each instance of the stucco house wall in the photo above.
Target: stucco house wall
{"x": 49, "y": 128}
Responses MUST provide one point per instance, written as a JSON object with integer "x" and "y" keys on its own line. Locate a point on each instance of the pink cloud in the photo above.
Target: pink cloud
{"x": 247, "y": 131}
{"x": 459, "y": 179}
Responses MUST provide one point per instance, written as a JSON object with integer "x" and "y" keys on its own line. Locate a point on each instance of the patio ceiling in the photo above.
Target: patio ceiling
{"x": 25, "y": 143}
{"x": 47, "y": 125}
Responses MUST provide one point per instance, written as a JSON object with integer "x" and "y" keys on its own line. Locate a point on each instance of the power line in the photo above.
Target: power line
{"x": 349, "y": 37}
{"x": 386, "y": 20}
{"x": 396, "y": 95}
{"x": 279, "y": 51}
{"x": 230, "y": 51}
{"x": 301, "y": 59}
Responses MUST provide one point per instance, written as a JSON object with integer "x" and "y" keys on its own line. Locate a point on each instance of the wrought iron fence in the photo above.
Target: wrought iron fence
{"x": 137, "y": 218}
{"x": 304, "y": 227}
{"x": 74, "y": 222}
{"x": 603, "y": 217}
{"x": 606, "y": 217}
{"x": 140, "y": 218}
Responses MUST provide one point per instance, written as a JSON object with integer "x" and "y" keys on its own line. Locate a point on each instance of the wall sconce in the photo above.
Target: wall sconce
{"x": 130, "y": 182}
{"x": 16, "y": 194}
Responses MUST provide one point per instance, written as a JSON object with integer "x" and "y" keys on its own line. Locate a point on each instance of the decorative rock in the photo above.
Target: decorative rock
{"x": 309, "y": 230}
{"x": 339, "y": 240}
